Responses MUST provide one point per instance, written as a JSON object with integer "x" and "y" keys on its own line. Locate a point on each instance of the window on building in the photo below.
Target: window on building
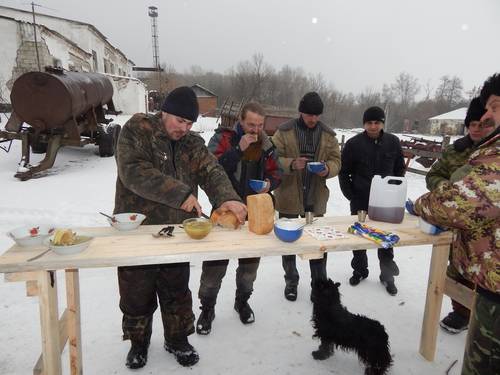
{"x": 94, "y": 60}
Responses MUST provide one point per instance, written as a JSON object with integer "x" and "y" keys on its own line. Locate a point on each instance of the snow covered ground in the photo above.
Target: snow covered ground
{"x": 279, "y": 342}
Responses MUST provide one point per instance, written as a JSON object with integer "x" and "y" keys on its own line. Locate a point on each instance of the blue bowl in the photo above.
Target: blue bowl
{"x": 256, "y": 185}
{"x": 287, "y": 230}
{"x": 316, "y": 166}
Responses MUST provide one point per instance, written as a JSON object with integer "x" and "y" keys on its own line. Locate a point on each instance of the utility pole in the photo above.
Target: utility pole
{"x": 34, "y": 33}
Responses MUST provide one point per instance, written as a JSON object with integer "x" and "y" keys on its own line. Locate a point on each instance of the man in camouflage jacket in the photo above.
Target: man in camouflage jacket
{"x": 160, "y": 165}
{"x": 444, "y": 170}
{"x": 471, "y": 207}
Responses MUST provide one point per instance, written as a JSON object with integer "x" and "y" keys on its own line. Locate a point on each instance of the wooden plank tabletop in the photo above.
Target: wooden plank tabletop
{"x": 112, "y": 248}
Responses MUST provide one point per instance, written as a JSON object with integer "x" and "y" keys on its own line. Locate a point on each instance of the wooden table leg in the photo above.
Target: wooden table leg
{"x": 74, "y": 326}
{"x": 433, "y": 300}
{"x": 49, "y": 322}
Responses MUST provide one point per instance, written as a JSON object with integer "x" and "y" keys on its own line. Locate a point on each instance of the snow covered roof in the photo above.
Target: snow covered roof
{"x": 457, "y": 114}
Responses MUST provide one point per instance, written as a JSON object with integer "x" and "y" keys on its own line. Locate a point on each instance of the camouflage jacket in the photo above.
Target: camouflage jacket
{"x": 471, "y": 206}
{"x": 155, "y": 180}
{"x": 453, "y": 157}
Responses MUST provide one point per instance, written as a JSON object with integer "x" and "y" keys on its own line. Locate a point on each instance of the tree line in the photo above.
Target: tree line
{"x": 255, "y": 79}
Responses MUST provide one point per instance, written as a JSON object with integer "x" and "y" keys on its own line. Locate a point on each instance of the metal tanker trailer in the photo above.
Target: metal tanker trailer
{"x": 61, "y": 109}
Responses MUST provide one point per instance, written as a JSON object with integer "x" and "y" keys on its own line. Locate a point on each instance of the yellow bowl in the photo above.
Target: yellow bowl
{"x": 197, "y": 227}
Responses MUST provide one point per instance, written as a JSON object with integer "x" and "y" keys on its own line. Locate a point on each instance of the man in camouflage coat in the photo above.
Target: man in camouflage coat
{"x": 454, "y": 157}
{"x": 471, "y": 207}
{"x": 160, "y": 165}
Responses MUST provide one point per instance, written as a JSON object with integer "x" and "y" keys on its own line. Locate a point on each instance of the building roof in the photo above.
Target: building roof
{"x": 90, "y": 26}
{"x": 457, "y": 114}
{"x": 202, "y": 91}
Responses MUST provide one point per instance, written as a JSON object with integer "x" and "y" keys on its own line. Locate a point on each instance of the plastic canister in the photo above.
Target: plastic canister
{"x": 387, "y": 199}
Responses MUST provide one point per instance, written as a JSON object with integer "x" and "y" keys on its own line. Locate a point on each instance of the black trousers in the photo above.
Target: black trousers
{"x": 213, "y": 272}
{"x": 388, "y": 268}
{"x": 289, "y": 262}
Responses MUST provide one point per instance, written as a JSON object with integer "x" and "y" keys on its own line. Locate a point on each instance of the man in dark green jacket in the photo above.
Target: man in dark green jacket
{"x": 446, "y": 169}
{"x": 160, "y": 165}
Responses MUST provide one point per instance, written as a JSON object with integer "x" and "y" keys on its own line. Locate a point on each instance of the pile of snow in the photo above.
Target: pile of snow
{"x": 279, "y": 342}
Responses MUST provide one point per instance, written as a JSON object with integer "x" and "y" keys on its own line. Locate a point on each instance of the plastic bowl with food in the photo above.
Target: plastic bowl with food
{"x": 127, "y": 221}
{"x": 78, "y": 244}
{"x": 197, "y": 227}
{"x": 316, "y": 166}
{"x": 33, "y": 235}
{"x": 287, "y": 230}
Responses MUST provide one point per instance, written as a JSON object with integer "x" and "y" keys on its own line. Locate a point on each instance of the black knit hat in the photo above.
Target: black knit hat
{"x": 474, "y": 112}
{"x": 182, "y": 102}
{"x": 374, "y": 114}
{"x": 311, "y": 104}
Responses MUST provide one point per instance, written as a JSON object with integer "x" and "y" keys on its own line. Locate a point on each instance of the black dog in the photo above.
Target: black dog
{"x": 335, "y": 326}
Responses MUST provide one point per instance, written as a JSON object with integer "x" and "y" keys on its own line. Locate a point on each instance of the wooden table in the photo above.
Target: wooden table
{"x": 111, "y": 248}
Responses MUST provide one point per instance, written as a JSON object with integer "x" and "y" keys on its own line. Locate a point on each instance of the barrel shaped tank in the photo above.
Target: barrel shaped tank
{"x": 48, "y": 100}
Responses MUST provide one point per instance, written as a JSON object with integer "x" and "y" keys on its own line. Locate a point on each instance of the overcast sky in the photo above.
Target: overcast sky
{"x": 354, "y": 44}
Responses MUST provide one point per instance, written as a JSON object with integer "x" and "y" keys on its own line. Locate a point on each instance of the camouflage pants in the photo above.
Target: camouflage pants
{"x": 141, "y": 286}
{"x": 453, "y": 274}
{"x": 214, "y": 271}
{"x": 482, "y": 350}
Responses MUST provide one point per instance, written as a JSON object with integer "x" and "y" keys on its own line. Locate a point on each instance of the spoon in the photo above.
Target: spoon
{"x": 109, "y": 217}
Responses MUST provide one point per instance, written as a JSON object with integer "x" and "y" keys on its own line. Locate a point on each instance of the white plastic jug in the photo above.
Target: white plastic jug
{"x": 387, "y": 199}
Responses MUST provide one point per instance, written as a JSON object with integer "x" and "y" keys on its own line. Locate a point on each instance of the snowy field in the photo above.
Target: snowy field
{"x": 279, "y": 342}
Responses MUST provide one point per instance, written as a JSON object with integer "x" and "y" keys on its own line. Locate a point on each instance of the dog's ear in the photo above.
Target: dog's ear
{"x": 337, "y": 284}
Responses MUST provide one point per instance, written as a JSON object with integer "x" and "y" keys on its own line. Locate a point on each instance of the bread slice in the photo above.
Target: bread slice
{"x": 225, "y": 219}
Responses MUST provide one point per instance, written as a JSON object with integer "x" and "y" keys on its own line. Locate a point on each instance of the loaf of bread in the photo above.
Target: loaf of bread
{"x": 225, "y": 218}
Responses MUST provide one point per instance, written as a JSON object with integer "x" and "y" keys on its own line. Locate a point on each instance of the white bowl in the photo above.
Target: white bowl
{"x": 31, "y": 235}
{"x": 81, "y": 243}
{"x": 127, "y": 221}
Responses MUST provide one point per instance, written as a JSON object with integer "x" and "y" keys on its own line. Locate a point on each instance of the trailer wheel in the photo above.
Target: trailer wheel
{"x": 108, "y": 139}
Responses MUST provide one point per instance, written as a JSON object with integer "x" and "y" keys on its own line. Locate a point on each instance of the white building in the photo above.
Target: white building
{"x": 450, "y": 123}
{"x": 72, "y": 45}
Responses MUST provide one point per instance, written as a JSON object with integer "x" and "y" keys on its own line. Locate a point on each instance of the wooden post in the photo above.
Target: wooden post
{"x": 49, "y": 322}
{"x": 433, "y": 300}
{"x": 74, "y": 328}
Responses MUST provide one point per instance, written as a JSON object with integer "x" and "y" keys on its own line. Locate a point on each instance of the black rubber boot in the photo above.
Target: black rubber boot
{"x": 291, "y": 292}
{"x": 204, "y": 323}
{"x": 185, "y": 354}
{"x": 137, "y": 356}
{"x": 245, "y": 311}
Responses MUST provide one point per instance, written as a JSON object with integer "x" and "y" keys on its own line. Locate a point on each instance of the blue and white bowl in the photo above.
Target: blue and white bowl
{"x": 315, "y": 166}
{"x": 288, "y": 230}
{"x": 256, "y": 185}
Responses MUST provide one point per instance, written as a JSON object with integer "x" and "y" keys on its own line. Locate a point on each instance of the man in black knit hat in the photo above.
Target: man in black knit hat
{"x": 373, "y": 152}
{"x": 299, "y": 141}
{"x": 160, "y": 164}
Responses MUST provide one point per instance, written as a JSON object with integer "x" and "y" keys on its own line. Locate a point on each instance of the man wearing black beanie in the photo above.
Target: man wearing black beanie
{"x": 373, "y": 152}
{"x": 160, "y": 164}
{"x": 299, "y": 141}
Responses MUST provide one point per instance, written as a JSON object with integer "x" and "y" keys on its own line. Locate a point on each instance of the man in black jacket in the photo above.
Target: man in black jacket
{"x": 365, "y": 155}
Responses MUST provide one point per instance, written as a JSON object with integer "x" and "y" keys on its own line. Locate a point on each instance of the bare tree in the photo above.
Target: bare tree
{"x": 405, "y": 89}
{"x": 449, "y": 92}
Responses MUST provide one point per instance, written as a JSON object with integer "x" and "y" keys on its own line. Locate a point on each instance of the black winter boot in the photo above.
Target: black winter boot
{"x": 245, "y": 311}
{"x": 291, "y": 292}
{"x": 204, "y": 323}
{"x": 137, "y": 356}
{"x": 185, "y": 354}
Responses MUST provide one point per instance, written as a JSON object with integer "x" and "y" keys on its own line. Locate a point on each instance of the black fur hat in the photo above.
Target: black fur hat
{"x": 474, "y": 112}
{"x": 182, "y": 102}
{"x": 374, "y": 114}
{"x": 311, "y": 104}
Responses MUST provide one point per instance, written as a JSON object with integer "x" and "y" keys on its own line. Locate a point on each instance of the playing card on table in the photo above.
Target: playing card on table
{"x": 324, "y": 233}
